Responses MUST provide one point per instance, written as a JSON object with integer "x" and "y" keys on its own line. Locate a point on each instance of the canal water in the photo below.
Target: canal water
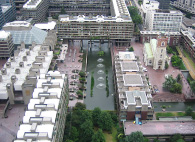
{"x": 173, "y": 106}
{"x": 98, "y": 65}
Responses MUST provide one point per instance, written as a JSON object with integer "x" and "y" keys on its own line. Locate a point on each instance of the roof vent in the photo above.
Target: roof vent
{"x": 4, "y": 71}
{"x": 12, "y": 59}
{"x": 24, "y": 58}
{"x": 17, "y": 71}
{"x": 8, "y": 65}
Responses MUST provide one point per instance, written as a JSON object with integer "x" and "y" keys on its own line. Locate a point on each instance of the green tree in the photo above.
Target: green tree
{"x": 80, "y": 93}
{"x": 176, "y": 61}
{"x": 169, "y": 82}
{"x": 82, "y": 73}
{"x": 136, "y": 17}
{"x": 156, "y": 140}
{"x": 105, "y": 121}
{"x": 95, "y": 115}
{"x": 180, "y": 140}
{"x": 169, "y": 50}
{"x": 176, "y": 88}
{"x": 131, "y": 49}
{"x": 86, "y": 131}
{"x": 178, "y": 78}
{"x": 69, "y": 140}
{"x": 192, "y": 86}
{"x": 135, "y": 137}
{"x": 189, "y": 111}
{"x": 98, "y": 136}
{"x": 175, "y": 138}
{"x": 80, "y": 106}
{"x": 166, "y": 65}
{"x": 74, "y": 134}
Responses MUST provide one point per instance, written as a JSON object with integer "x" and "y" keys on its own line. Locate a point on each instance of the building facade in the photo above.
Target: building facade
{"x": 79, "y": 7}
{"x": 118, "y": 26}
{"x": 188, "y": 42}
{"x": 19, "y": 4}
{"x": 155, "y": 53}
{"x": 46, "y": 112}
{"x": 36, "y": 9}
{"x": 6, "y": 44}
{"x": 163, "y": 20}
{"x": 174, "y": 38}
{"x": 164, "y": 4}
{"x": 186, "y": 5}
{"x": 133, "y": 94}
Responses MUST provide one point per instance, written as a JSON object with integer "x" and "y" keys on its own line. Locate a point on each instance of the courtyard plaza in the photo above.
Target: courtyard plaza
{"x": 71, "y": 63}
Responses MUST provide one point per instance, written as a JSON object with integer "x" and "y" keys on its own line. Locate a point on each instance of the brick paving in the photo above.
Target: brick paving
{"x": 2, "y": 62}
{"x": 70, "y": 64}
{"x": 9, "y": 126}
{"x": 161, "y": 127}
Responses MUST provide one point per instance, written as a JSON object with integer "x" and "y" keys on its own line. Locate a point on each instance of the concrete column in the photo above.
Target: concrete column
{"x": 81, "y": 44}
{"x": 10, "y": 92}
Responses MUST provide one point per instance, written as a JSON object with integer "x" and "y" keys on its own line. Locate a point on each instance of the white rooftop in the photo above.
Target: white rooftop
{"x": 24, "y": 71}
{"x": 4, "y": 34}
{"x": 32, "y": 4}
{"x": 127, "y": 56}
{"x": 5, "y": 7}
{"x": 46, "y": 26}
{"x": 17, "y": 24}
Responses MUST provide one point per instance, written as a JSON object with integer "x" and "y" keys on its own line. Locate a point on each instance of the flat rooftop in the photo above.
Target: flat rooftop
{"x": 161, "y": 128}
{"x": 129, "y": 66}
{"x": 132, "y": 95}
{"x": 127, "y": 56}
{"x": 5, "y": 7}
{"x": 31, "y": 4}
{"x": 132, "y": 80}
{"x": 4, "y": 35}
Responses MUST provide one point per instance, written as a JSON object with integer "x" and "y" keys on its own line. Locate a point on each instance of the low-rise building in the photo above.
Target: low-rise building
{"x": 174, "y": 38}
{"x": 6, "y": 44}
{"x": 46, "y": 112}
{"x": 133, "y": 94}
{"x": 155, "y": 53}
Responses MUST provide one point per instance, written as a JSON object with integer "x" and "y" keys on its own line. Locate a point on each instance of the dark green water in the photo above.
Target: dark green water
{"x": 99, "y": 65}
{"x": 173, "y": 106}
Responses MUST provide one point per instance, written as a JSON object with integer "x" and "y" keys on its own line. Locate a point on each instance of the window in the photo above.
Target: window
{"x": 161, "y": 50}
{"x": 163, "y": 43}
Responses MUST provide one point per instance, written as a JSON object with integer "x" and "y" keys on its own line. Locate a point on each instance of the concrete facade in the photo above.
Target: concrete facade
{"x": 186, "y": 5}
{"x": 46, "y": 112}
{"x": 6, "y": 44}
{"x": 36, "y": 9}
{"x": 118, "y": 26}
{"x": 163, "y": 20}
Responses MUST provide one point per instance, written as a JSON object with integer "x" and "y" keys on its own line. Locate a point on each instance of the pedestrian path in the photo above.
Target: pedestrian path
{"x": 187, "y": 63}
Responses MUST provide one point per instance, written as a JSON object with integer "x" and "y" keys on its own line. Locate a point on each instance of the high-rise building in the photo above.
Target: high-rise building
{"x": 19, "y": 4}
{"x": 163, "y": 20}
{"x": 164, "y": 4}
{"x": 6, "y": 44}
{"x": 36, "y": 9}
{"x": 45, "y": 117}
{"x": 1, "y": 18}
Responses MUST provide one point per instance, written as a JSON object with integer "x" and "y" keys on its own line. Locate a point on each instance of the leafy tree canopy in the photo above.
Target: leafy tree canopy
{"x": 98, "y": 136}
{"x": 95, "y": 115}
{"x": 135, "y": 137}
{"x": 192, "y": 85}
{"x": 86, "y": 132}
{"x": 105, "y": 121}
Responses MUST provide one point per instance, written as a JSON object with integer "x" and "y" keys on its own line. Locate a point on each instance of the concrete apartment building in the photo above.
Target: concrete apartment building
{"x": 80, "y": 7}
{"x": 7, "y": 12}
{"x": 133, "y": 95}
{"x": 25, "y": 62}
{"x": 45, "y": 118}
{"x": 6, "y": 44}
{"x": 188, "y": 42}
{"x": 118, "y": 27}
{"x": 163, "y": 20}
{"x": 19, "y": 4}
{"x": 186, "y": 5}
{"x": 36, "y": 9}
{"x": 164, "y": 4}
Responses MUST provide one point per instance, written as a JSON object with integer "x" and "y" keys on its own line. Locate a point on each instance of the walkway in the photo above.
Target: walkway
{"x": 187, "y": 63}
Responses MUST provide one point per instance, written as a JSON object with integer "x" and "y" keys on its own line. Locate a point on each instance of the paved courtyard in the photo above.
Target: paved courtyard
{"x": 9, "y": 126}
{"x": 157, "y": 77}
{"x": 71, "y": 63}
{"x": 161, "y": 127}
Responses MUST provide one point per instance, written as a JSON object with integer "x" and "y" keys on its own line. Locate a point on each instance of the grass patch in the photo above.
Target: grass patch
{"x": 111, "y": 137}
{"x": 182, "y": 66}
{"x": 92, "y": 83}
{"x": 169, "y": 114}
{"x": 189, "y": 59}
